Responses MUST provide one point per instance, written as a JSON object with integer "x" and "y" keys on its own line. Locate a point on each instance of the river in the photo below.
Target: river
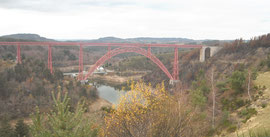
{"x": 110, "y": 93}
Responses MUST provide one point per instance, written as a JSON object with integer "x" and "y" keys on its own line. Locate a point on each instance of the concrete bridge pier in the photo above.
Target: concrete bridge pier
{"x": 172, "y": 82}
{"x": 207, "y": 52}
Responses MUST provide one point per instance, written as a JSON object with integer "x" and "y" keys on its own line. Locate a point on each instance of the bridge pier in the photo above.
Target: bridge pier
{"x": 19, "y": 60}
{"x": 109, "y": 50}
{"x": 175, "y": 65}
{"x": 172, "y": 82}
{"x": 212, "y": 50}
{"x": 80, "y": 74}
{"x": 50, "y": 59}
{"x": 148, "y": 51}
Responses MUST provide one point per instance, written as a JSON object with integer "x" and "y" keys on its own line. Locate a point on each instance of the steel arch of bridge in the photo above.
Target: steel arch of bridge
{"x": 121, "y": 50}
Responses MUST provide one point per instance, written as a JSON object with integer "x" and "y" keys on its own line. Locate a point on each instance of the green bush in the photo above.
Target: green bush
{"x": 197, "y": 98}
{"x": 239, "y": 103}
{"x": 225, "y": 104}
{"x": 260, "y": 93}
{"x": 232, "y": 128}
{"x": 255, "y": 87}
{"x": 237, "y": 81}
{"x": 264, "y": 105}
{"x": 225, "y": 122}
{"x": 247, "y": 113}
{"x": 254, "y": 74}
{"x": 61, "y": 122}
{"x": 222, "y": 86}
{"x": 233, "y": 104}
{"x": 200, "y": 90}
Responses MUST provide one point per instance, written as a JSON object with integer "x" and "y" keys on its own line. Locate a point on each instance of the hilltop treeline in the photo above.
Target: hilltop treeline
{"x": 260, "y": 41}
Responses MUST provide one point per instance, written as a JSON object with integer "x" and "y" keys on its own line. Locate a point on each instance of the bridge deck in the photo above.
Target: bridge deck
{"x": 98, "y": 44}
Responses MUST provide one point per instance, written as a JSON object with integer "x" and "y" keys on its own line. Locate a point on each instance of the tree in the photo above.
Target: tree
{"x": 61, "y": 122}
{"x": 146, "y": 111}
{"x": 21, "y": 129}
{"x": 197, "y": 98}
{"x": 199, "y": 90}
{"x": 249, "y": 76}
{"x": 214, "y": 98}
{"x": 237, "y": 81}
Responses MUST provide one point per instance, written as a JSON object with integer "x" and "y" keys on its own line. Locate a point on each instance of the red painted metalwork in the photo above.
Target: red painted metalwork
{"x": 124, "y": 47}
{"x": 149, "y": 51}
{"x": 175, "y": 65}
{"x": 109, "y": 50}
{"x": 121, "y": 50}
{"x": 80, "y": 76}
{"x": 50, "y": 58}
{"x": 98, "y": 44}
{"x": 19, "y": 60}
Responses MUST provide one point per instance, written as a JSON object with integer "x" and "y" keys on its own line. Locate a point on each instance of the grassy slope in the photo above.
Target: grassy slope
{"x": 261, "y": 121}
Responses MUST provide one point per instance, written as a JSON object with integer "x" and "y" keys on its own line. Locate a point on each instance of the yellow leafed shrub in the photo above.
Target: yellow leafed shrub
{"x": 145, "y": 112}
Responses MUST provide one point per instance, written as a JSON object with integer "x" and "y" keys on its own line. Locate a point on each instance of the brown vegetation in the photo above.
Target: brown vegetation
{"x": 27, "y": 85}
{"x": 145, "y": 111}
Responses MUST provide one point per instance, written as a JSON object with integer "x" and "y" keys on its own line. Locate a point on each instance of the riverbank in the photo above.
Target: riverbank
{"x": 98, "y": 104}
{"x": 115, "y": 79}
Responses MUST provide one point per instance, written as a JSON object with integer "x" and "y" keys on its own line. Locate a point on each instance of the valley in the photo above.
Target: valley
{"x": 236, "y": 73}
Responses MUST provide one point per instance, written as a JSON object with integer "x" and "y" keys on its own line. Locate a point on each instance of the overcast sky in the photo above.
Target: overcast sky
{"x": 89, "y": 19}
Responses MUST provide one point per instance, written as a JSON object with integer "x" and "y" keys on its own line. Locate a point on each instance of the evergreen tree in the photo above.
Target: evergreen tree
{"x": 62, "y": 122}
{"x": 199, "y": 90}
{"x": 237, "y": 81}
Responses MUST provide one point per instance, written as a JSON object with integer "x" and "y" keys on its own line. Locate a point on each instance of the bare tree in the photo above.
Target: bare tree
{"x": 249, "y": 76}
{"x": 214, "y": 100}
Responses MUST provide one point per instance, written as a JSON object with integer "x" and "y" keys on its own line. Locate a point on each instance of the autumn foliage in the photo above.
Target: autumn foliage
{"x": 146, "y": 111}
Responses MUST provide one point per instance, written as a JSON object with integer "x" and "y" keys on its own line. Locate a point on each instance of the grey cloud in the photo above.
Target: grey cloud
{"x": 67, "y": 5}
{"x": 59, "y": 5}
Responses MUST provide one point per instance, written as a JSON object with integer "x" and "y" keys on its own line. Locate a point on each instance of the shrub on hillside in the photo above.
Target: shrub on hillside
{"x": 61, "y": 122}
{"x": 233, "y": 104}
{"x": 247, "y": 113}
{"x": 222, "y": 86}
{"x": 237, "y": 81}
{"x": 145, "y": 111}
{"x": 200, "y": 90}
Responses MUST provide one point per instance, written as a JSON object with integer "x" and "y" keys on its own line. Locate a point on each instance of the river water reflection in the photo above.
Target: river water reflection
{"x": 110, "y": 93}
